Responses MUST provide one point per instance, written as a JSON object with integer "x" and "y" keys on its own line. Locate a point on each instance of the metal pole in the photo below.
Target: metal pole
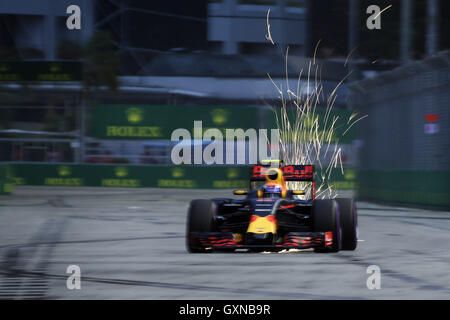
{"x": 432, "y": 27}
{"x": 80, "y": 153}
{"x": 230, "y": 45}
{"x": 308, "y": 51}
{"x": 405, "y": 37}
{"x": 281, "y": 6}
{"x": 353, "y": 30}
{"x": 87, "y": 20}
{"x": 50, "y": 37}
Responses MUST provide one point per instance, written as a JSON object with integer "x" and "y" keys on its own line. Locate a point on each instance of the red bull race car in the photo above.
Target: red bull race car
{"x": 272, "y": 217}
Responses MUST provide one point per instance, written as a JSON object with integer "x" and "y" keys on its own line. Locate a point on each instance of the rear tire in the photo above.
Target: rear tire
{"x": 326, "y": 219}
{"x": 200, "y": 218}
{"x": 349, "y": 223}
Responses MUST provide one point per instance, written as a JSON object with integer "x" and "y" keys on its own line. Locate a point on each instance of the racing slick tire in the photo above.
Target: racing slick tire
{"x": 326, "y": 219}
{"x": 349, "y": 223}
{"x": 200, "y": 219}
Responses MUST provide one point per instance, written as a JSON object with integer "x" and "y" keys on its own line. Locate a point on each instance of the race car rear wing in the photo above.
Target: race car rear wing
{"x": 290, "y": 172}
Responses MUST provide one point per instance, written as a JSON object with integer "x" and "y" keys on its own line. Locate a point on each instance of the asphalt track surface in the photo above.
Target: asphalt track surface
{"x": 130, "y": 244}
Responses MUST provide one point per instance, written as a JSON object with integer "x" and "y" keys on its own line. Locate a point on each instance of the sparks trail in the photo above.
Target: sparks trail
{"x": 379, "y": 13}
{"x": 304, "y": 137}
{"x": 269, "y": 35}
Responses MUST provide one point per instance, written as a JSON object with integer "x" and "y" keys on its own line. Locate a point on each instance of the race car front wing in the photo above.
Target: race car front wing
{"x": 292, "y": 240}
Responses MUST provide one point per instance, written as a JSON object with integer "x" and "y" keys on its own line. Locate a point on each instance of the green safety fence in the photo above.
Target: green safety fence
{"x": 202, "y": 177}
{"x": 131, "y": 176}
{"x": 5, "y": 179}
{"x": 423, "y": 188}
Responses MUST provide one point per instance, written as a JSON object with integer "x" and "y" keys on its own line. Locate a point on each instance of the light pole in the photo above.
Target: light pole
{"x": 405, "y": 36}
{"x": 353, "y": 32}
{"x": 432, "y": 36}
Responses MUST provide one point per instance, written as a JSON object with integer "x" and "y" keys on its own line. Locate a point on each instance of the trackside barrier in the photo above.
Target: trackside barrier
{"x": 202, "y": 177}
{"x": 423, "y": 188}
{"x": 5, "y": 179}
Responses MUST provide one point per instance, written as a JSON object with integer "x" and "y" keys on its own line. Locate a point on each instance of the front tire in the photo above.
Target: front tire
{"x": 326, "y": 219}
{"x": 200, "y": 218}
{"x": 349, "y": 223}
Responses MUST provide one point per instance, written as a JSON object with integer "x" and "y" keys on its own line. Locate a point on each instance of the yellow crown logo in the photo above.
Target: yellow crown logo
{"x": 64, "y": 171}
{"x": 121, "y": 172}
{"x": 232, "y": 173}
{"x": 55, "y": 67}
{"x": 219, "y": 116}
{"x": 134, "y": 115}
{"x": 349, "y": 174}
{"x": 177, "y": 172}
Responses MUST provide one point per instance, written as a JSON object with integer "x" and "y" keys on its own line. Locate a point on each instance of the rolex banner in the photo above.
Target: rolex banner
{"x": 126, "y": 176}
{"x": 158, "y": 122}
{"x": 131, "y": 176}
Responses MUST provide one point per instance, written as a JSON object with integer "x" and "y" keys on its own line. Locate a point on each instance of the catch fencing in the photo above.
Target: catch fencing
{"x": 405, "y": 152}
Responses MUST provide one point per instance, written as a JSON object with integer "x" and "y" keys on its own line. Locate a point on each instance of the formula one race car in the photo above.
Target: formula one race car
{"x": 273, "y": 218}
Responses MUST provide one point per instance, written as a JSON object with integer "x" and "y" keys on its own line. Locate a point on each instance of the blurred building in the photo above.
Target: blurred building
{"x": 143, "y": 30}
{"x": 240, "y": 26}
{"x": 35, "y": 29}
{"x": 140, "y": 29}
{"x": 225, "y": 26}
{"x": 409, "y": 30}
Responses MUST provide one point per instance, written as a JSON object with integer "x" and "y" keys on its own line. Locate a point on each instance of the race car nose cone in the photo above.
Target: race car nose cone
{"x": 262, "y": 225}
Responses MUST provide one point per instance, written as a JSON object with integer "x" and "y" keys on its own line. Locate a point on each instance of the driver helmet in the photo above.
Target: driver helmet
{"x": 271, "y": 189}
